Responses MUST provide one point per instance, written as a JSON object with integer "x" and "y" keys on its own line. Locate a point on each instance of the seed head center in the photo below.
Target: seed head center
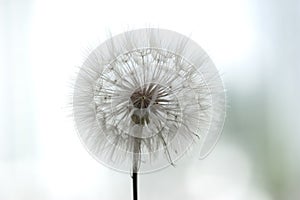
{"x": 141, "y": 98}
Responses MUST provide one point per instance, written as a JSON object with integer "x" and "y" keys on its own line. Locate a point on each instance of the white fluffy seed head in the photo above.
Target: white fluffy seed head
{"x": 145, "y": 97}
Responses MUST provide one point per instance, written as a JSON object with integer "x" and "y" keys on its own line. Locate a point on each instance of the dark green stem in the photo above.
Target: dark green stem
{"x": 134, "y": 185}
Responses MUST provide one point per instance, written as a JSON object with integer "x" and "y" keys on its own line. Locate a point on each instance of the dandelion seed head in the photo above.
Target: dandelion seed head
{"x": 145, "y": 97}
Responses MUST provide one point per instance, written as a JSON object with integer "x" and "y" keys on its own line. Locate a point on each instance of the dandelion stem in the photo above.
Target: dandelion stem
{"x": 136, "y": 160}
{"x": 134, "y": 186}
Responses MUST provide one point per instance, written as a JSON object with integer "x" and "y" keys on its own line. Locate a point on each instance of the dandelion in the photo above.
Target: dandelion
{"x": 143, "y": 98}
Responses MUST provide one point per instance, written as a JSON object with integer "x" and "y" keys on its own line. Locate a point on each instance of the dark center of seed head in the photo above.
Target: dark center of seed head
{"x": 141, "y": 98}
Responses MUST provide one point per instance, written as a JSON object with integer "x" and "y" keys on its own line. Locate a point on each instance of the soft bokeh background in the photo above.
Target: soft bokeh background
{"x": 255, "y": 45}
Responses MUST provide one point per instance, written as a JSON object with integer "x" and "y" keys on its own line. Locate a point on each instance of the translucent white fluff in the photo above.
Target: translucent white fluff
{"x": 145, "y": 97}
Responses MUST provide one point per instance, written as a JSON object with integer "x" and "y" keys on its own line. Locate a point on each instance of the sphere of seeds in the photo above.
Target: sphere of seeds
{"x": 145, "y": 97}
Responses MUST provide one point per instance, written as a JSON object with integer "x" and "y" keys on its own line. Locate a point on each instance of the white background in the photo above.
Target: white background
{"x": 255, "y": 45}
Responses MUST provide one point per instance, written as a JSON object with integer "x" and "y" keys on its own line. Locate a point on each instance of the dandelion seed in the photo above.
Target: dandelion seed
{"x": 143, "y": 98}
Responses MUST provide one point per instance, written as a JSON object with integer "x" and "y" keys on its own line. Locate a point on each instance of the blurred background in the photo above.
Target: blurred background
{"x": 255, "y": 45}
